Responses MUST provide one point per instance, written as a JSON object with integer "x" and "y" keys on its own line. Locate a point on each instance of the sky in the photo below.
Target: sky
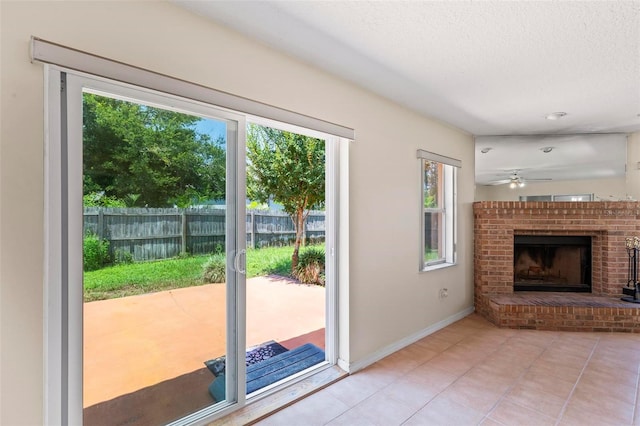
{"x": 212, "y": 127}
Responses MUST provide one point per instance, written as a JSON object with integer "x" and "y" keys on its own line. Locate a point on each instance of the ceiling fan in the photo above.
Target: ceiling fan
{"x": 516, "y": 181}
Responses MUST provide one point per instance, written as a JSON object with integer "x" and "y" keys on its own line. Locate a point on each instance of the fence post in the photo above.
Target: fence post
{"x": 100, "y": 227}
{"x": 304, "y": 231}
{"x": 254, "y": 229}
{"x": 183, "y": 215}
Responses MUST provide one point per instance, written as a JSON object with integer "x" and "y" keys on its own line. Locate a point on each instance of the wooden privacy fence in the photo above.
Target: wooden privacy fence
{"x": 150, "y": 234}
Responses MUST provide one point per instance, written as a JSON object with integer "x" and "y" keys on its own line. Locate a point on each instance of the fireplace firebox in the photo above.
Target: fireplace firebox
{"x": 552, "y": 263}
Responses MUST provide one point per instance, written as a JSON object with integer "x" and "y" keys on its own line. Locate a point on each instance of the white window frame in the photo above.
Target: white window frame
{"x": 447, "y": 205}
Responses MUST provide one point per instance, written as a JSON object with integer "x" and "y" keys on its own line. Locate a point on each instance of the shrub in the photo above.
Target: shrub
{"x": 310, "y": 269}
{"x": 214, "y": 270}
{"x": 99, "y": 199}
{"x": 123, "y": 257}
{"x": 95, "y": 253}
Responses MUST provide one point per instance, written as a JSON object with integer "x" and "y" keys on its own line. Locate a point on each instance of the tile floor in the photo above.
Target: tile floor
{"x": 474, "y": 373}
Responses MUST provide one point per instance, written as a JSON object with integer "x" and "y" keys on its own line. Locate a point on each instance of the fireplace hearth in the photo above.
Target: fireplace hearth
{"x": 552, "y": 263}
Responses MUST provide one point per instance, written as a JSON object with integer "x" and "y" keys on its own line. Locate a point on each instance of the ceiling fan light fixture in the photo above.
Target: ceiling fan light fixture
{"x": 521, "y": 184}
{"x": 555, "y": 115}
{"x": 513, "y": 184}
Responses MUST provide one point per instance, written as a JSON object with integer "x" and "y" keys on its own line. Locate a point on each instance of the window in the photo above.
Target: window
{"x": 571, "y": 197}
{"x": 437, "y": 210}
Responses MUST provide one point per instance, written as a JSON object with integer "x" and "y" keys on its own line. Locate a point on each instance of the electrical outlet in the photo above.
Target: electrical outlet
{"x": 444, "y": 292}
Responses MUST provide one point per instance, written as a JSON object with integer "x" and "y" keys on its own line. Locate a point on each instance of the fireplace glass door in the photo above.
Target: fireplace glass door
{"x": 552, "y": 263}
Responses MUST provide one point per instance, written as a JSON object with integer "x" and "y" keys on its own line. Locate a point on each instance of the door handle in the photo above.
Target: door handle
{"x": 237, "y": 264}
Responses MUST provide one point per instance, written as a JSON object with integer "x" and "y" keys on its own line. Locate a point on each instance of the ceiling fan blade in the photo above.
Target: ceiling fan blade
{"x": 499, "y": 182}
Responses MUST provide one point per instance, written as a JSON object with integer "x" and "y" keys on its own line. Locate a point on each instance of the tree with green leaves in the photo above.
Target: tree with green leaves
{"x": 148, "y": 156}
{"x": 430, "y": 184}
{"x": 289, "y": 169}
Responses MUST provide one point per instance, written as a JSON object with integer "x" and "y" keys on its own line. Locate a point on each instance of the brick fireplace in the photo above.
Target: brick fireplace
{"x": 605, "y": 224}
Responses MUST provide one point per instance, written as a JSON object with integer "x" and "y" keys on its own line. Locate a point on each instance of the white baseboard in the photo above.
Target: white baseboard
{"x": 394, "y": 347}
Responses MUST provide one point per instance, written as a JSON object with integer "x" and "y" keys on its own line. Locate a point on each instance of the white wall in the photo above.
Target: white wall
{"x": 387, "y": 298}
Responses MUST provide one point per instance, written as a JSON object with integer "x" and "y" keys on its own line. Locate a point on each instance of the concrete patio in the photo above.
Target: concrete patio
{"x": 136, "y": 342}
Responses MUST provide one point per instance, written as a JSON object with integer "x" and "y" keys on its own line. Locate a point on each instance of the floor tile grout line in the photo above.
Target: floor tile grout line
{"x": 566, "y": 402}
{"x": 395, "y": 380}
{"x": 358, "y": 403}
{"x": 342, "y": 413}
{"x": 467, "y": 371}
{"x": 517, "y": 380}
{"x": 449, "y": 385}
{"x": 452, "y": 383}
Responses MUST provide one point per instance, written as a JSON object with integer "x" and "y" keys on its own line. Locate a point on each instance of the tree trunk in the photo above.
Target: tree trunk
{"x": 298, "y": 223}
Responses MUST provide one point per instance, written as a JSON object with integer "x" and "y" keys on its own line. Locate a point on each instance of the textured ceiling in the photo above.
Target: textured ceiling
{"x": 487, "y": 67}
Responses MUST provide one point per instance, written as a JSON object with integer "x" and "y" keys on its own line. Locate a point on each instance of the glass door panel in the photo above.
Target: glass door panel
{"x": 286, "y": 224}
{"x": 161, "y": 276}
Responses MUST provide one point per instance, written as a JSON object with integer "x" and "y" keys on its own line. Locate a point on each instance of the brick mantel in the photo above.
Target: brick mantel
{"x": 496, "y": 222}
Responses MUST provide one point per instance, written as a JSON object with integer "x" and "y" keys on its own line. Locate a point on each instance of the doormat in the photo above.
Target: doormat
{"x": 272, "y": 370}
{"x": 254, "y": 355}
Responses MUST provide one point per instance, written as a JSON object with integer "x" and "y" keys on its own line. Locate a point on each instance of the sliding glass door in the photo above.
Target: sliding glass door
{"x": 287, "y": 239}
{"x": 147, "y": 231}
{"x": 153, "y": 194}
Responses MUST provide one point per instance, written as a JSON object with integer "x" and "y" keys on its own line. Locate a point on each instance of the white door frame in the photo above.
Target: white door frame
{"x": 63, "y": 242}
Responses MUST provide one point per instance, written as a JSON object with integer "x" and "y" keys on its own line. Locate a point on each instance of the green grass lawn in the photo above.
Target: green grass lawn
{"x": 147, "y": 277}
{"x": 431, "y": 254}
